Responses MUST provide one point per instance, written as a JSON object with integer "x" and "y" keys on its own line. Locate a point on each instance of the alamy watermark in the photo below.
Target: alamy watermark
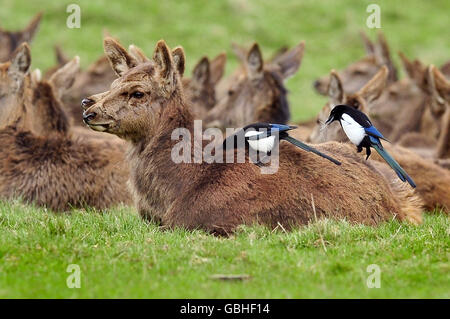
{"x": 74, "y": 19}
{"x": 374, "y": 19}
{"x": 74, "y": 279}
{"x": 374, "y": 279}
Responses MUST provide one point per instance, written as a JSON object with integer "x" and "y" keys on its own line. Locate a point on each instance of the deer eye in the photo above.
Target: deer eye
{"x": 137, "y": 94}
{"x": 359, "y": 72}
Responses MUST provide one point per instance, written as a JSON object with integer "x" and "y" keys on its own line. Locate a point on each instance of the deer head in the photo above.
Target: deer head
{"x": 14, "y": 78}
{"x": 201, "y": 87}
{"x": 357, "y": 74}
{"x": 132, "y": 109}
{"x": 257, "y": 93}
{"x": 47, "y": 112}
{"x": 10, "y": 41}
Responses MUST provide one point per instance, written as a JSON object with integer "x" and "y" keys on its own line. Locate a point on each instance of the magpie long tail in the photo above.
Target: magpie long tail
{"x": 394, "y": 165}
{"x": 310, "y": 149}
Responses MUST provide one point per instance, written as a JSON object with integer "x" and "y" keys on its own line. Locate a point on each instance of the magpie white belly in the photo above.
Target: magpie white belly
{"x": 354, "y": 131}
{"x": 263, "y": 145}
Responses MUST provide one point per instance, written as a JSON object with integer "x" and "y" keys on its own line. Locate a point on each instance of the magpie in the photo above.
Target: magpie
{"x": 361, "y": 132}
{"x": 261, "y": 137}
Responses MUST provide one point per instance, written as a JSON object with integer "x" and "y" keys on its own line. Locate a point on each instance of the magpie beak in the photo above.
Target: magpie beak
{"x": 330, "y": 119}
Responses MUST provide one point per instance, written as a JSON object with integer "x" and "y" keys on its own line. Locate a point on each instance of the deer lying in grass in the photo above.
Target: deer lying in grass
{"x": 10, "y": 40}
{"x": 257, "y": 94}
{"x": 357, "y": 74}
{"x": 433, "y": 182}
{"x": 146, "y": 104}
{"x": 42, "y": 163}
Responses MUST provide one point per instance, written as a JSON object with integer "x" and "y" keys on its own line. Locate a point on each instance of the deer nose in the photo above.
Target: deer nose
{"x": 86, "y": 102}
{"x": 88, "y": 117}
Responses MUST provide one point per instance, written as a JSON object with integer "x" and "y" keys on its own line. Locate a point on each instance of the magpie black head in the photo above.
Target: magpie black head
{"x": 339, "y": 110}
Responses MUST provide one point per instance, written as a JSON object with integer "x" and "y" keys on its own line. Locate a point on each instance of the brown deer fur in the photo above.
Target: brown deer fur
{"x": 433, "y": 183}
{"x": 357, "y": 74}
{"x": 219, "y": 197}
{"x": 42, "y": 163}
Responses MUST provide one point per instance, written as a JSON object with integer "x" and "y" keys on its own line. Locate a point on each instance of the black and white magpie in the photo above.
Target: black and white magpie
{"x": 261, "y": 137}
{"x": 363, "y": 134}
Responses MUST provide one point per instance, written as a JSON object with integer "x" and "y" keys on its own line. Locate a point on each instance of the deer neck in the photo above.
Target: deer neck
{"x": 152, "y": 169}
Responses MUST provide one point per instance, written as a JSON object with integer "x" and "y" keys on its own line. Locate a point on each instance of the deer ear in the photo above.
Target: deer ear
{"x": 138, "y": 54}
{"x": 335, "y": 89}
{"x": 407, "y": 65}
{"x": 217, "y": 68}
{"x": 29, "y": 32}
{"x": 163, "y": 58}
{"x": 36, "y": 76}
{"x": 179, "y": 59}
{"x": 118, "y": 57}
{"x": 416, "y": 71}
{"x": 61, "y": 58}
{"x": 373, "y": 89}
{"x": 383, "y": 56}
{"x": 201, "y": 73}
{"x": 290, "y": 61}
{"x": 21, "y": 61}
{"x": 368, "y": 44}
{"x": 255, "y": 61}
{"x": 63, "y": 79}
{"x": 441, "y": 84}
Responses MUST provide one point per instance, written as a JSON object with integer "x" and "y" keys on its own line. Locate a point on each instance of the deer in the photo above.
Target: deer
{"x": 258, "y": 93}
{"x": 11, "y": 40}
{"x": 201, "y": 87}
{"x": 433, "y": 181}
{"x": 44, "y": 164}
{"x": 146, "y": 103}
{"x": 355, "y": 75}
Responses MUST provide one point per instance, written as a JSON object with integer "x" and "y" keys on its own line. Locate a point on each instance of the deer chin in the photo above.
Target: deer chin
{"x": 100, "y": 127}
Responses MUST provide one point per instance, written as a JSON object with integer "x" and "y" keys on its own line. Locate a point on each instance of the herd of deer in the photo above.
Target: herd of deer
{"x": 49, "y": 157}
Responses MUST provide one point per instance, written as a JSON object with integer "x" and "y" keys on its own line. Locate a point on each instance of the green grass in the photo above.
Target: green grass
{"x": 122, "y": 256}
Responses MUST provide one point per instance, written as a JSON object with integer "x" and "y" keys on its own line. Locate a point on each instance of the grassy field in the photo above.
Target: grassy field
{"x": 121, "y": 256}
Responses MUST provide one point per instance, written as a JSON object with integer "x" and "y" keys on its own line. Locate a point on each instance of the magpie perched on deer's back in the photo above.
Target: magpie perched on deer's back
{"x": 363, "y": 134}
{"x": 262, "y": 137}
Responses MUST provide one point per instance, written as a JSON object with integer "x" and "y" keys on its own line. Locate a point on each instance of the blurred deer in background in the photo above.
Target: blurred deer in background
{"x": 11, "y": 40}
{"x": 357, "y": 74}
{"x": 40, "y": 160}
{"x": 257, "y": 94}
{"x": 201, "y": 87}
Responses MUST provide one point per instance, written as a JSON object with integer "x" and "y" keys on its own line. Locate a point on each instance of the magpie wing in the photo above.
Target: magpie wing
{"x": 232, "y": 141}
{"x": 372, "y": 131}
